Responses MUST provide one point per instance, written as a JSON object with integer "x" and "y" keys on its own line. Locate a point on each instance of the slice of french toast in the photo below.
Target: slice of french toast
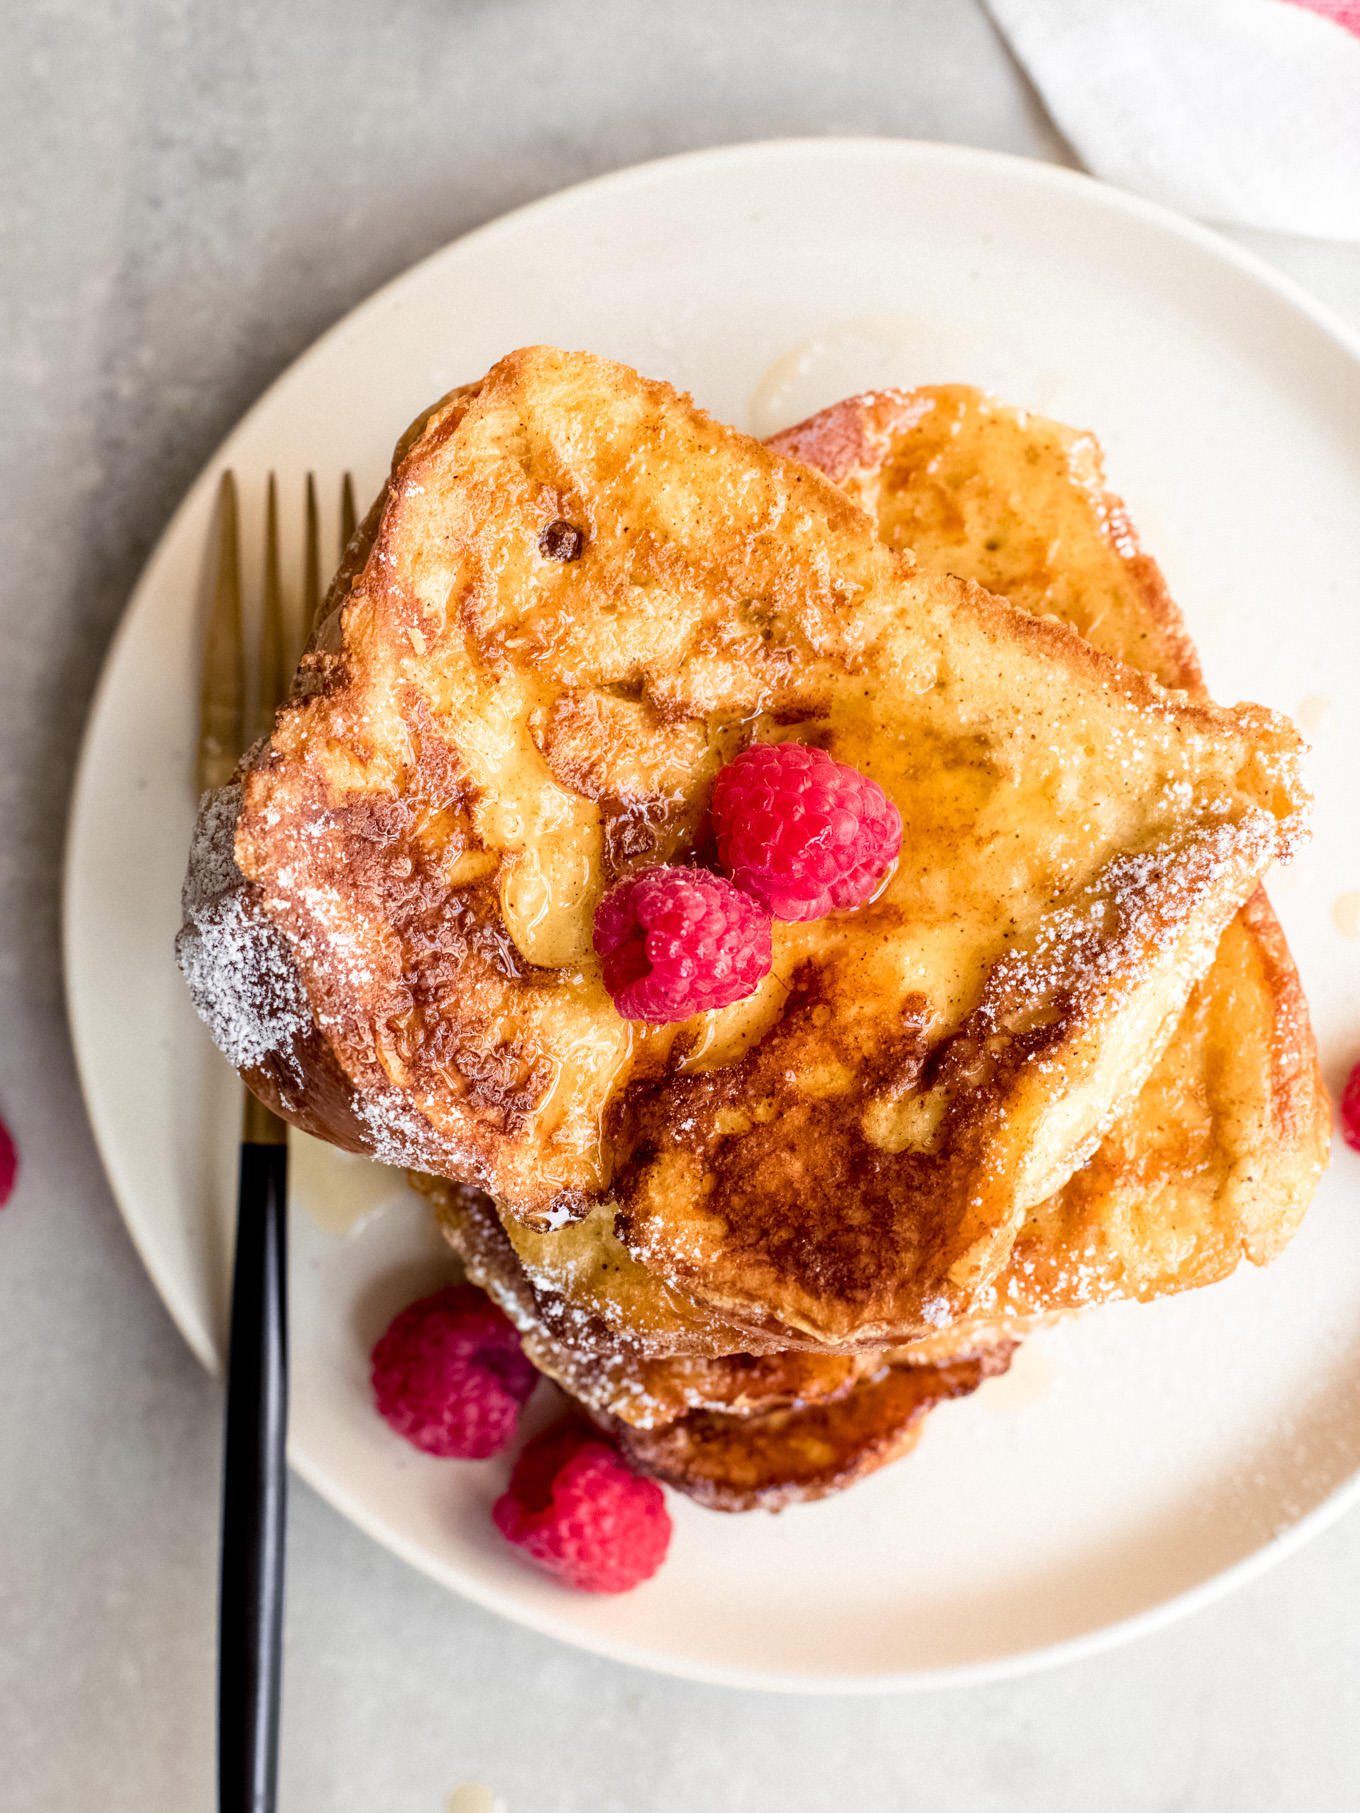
{"x": 1221, "y": 1154}
{"x": 582, "y": 596}
{"x": 802, "y": 1450}
{"x": 737, "y": 1431}
{"x": 1017, "y": 502}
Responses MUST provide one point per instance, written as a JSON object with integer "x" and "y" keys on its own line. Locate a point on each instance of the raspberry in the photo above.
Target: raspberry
{"x": 1349, "y": 1112}
{"x": 9, "y": 1164}
{"x": 801, "y": 832}
{"x": 577, "y": 1509}
{"x": 678, "y": 941}
{"x": 449, "y": 1375}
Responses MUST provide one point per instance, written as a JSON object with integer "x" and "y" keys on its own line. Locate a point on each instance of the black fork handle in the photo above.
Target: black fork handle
{"x": 255, "y": 1486}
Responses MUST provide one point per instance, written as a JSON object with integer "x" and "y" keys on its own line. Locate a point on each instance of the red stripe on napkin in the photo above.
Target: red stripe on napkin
{"x": 1341, "y": 12}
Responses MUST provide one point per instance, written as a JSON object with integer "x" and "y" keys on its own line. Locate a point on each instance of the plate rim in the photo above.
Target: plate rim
{"x": 1070, "y": 1650}
{"x": 1040, "y": 174}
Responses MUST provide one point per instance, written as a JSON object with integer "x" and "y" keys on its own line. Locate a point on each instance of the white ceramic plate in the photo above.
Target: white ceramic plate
{"x": 1132, "y": 1463}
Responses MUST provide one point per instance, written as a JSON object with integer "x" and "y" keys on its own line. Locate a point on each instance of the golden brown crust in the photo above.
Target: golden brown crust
{"x": 604, "y": 1325}
{"x": 1009, "y": 499}
{"x": 737, "y": 1432}
{"x": 801, "y": 1452}
{"x": 1216, "y": 1163}
{"x": 325, "y": 633}
{"x": 1299, "y": 1109}
{"x": 616, "y": 1336}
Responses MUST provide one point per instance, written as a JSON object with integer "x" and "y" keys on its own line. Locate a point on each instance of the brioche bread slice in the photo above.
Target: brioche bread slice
{"x": 737, "y": 1432}
{"x": 494, "y": 731}
{"x": 1221, "y": 1154}
{"x": 803, "y": 1449}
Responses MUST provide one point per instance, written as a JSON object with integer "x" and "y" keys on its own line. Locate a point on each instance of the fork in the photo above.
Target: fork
{"x": 254, "y": 1471}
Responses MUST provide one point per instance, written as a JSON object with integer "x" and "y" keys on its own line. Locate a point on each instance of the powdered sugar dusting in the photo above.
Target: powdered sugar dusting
{"x": 401, "y": 1136}
{"x": 1175, "y": 896}
{"x": 235, "y": 960}
{"x": 244, "y": 978}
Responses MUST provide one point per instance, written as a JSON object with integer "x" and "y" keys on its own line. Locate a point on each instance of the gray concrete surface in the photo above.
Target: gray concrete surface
{"x": 190, "y": 193}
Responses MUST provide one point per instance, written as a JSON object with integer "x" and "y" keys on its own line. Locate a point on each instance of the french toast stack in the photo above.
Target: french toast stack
{"x": 1060, "y": 1057}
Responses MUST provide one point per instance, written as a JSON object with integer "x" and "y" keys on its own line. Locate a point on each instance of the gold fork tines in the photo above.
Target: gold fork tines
{"x": 274, "y": 664}
{"x": 227, "y": 723}
{"x": 311, "y": 591}
{"x": 223, "y": 687}
{"x": 348, "y": 518}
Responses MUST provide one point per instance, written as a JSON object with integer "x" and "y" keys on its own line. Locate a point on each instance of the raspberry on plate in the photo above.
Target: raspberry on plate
{"x": 802, "y": 832}
{"x": 676, "y": 942}
{"x": 1348, "y": 1112}
{"x": 576, "y": 1508}
{"x": 9, "y": 1164}
{"x": 449, "y": 1374}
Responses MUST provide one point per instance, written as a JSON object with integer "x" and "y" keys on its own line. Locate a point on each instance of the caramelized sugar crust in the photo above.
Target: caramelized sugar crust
{"x": 489, "y": 733}
{"x": 806, "y": 1450}
{"x": 738, "y": 1432}
{"x": 1216, "y": 1162}
{"x": 1011, "y": 500}
{"x": 671, "y": 1357}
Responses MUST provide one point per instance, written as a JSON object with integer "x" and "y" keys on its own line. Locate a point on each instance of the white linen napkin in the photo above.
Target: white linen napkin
{"x": 1245, "y": 111}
